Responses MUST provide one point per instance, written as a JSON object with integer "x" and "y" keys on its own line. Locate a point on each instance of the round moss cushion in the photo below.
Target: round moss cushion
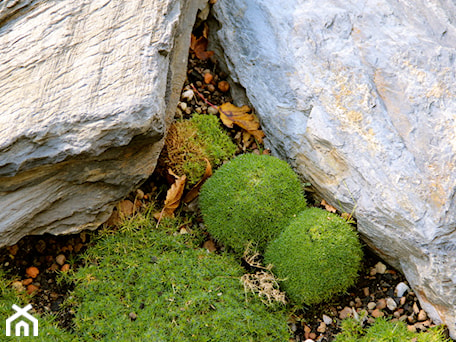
{"x": 318, "y": 256}
{"x": 250, "y": 199}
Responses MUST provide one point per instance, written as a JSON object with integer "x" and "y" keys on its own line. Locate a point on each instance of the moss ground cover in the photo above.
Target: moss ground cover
{"x": 173, "y": 290}
{"x": 384, "y": 330}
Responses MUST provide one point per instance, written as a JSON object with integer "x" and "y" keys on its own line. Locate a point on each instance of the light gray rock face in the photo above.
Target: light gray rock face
{"x": 360, "y": 97}
{"x": 87, "y": 91}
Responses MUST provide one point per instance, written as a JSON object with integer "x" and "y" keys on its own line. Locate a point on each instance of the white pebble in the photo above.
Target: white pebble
{"x": 391, "y": 304}
{"x": 188, "y": 94}
{"x": 211, "y": 110}
{"x": 183, "y": 105}
{"x": 371, "y": 305}
{"x": 328, "y": 320}
{"x": 401, "y": 288}
{"x": 380, "y": 267}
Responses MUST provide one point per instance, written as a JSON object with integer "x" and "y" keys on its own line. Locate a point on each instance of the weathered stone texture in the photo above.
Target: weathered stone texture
{"x": 360, "y": 98}
{"x": 87, "y": 91}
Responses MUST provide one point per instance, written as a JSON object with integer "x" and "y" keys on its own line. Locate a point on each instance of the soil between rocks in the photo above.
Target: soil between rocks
{"x": 373, "y": 293}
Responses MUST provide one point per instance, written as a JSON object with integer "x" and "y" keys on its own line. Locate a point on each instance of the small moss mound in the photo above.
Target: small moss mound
{"x": 251, "y": 199}
{"x": 318, "y": 255}
{"x": 189, "y": 142}
{"x": 384, "y": 330}
{"x": 153, "y": 285}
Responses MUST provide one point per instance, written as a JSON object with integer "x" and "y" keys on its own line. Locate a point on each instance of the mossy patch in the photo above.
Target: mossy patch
{"x": 384, "y": 330}
{"x": 317, "y": 255}
{"x": 250, "y": 199}
{"x": 189, "y": 142}
{"x": 176, "y": 292}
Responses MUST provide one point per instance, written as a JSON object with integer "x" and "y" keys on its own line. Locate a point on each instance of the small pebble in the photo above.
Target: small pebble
{"x": 322, "y": 327}
{"x": 211, "y": 88}
{"x": 211, "y": 110}
{"x": 309, "y": 340}
{"x": 32, "y": 288}
{"x": 380, "y": 267}
{"x": 328, "y": 320}
{"x": 188, "y": 94}
{"x": 411, "y": 319}
{"x": 411, "y": 328}
{"x": 377, "y": 313}
{"x": 381, "y": 304}
{"x": 208, "y": 77}
{"x": 198, "y": 110}
{"x": 65, "y": 268}
{"x": 18, "y": 286}
{"x": 371, "y": 305}
{"x": 366, "y": 291}
{"x": 139, "y": 194}
{"x": 358, "y": 302}
{"x": 416, "y": 310}
{"x": 401, "y": 288}
{"x": 391, "y": 304}
{"x": 312, "y": 336}
{"x": 182, "y": 105}
{"x": 345, "y": 312}
{"x": 223, "y": 86}
{"x": 132, "y": 316}
{"x": 32, "y": 272}
{"x": 60, "y": 259}
{"x": 422, "y": 315}
{"x": 403, "y": 300}
{"x": 26, "y": 282}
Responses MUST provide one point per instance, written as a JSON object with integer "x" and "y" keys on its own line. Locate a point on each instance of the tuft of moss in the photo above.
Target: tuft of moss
{"x": 384, "y": 330}
{"x": 173, "y": 290}
{"x": 250, "y": 199}
{"x": 317, "y": 255}
{"x": 189, "y": 142}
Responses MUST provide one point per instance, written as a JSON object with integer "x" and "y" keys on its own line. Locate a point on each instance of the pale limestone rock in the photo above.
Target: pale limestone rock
{"x": 359, "y": 97}
{"x": 87, "y": 91}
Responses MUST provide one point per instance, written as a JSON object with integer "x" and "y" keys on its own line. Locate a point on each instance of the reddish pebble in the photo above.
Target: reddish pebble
{"x": 377, "y": 313}
{"x": 208, "y": 78}
{"x": 65, "y": 268}
{"x": 26, "y": 282}
{"x": 32, "y": 272}
{"x": 223, "y": 86}
{"x": 32, "y": 288}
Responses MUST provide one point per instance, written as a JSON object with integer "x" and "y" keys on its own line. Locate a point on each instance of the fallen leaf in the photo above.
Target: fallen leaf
{"x": 126, "y": 208}
{"x": 328, "y": 207}
{"x": 241, "y": 116}
{"x": 199, "y": 46}
{"x": 193, "y": 193}
{"x": 173, "y": 197}
{"x": 209, "y": 245}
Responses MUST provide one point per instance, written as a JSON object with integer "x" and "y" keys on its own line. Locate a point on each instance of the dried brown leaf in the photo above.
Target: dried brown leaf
{"x": 328, "y": 206}
{"x": 241, "y": 116}
{"x": 199, "y": 46}
{"x": 173, "y": 197}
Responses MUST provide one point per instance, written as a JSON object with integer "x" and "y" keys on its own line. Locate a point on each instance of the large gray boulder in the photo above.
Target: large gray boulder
{"x": 360, "y": 98}
{"x": 87, "y": 91}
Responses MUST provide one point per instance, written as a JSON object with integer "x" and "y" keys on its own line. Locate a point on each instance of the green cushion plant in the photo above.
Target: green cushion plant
{"x": 189, "y": 142}
{"x": 384, "y": 330}
{"x": 250, "y": 199}
{"x": 317, "y": 255}
{"x": 147, "y": 284}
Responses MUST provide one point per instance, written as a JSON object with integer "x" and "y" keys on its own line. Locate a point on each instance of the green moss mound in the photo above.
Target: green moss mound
{"x": 176, "y": 292}
{"x": 189, "y": 142}
{"x": 318, "y": 255}
{"x": 250, "y": 199}
{"x": 384, "y": 330}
